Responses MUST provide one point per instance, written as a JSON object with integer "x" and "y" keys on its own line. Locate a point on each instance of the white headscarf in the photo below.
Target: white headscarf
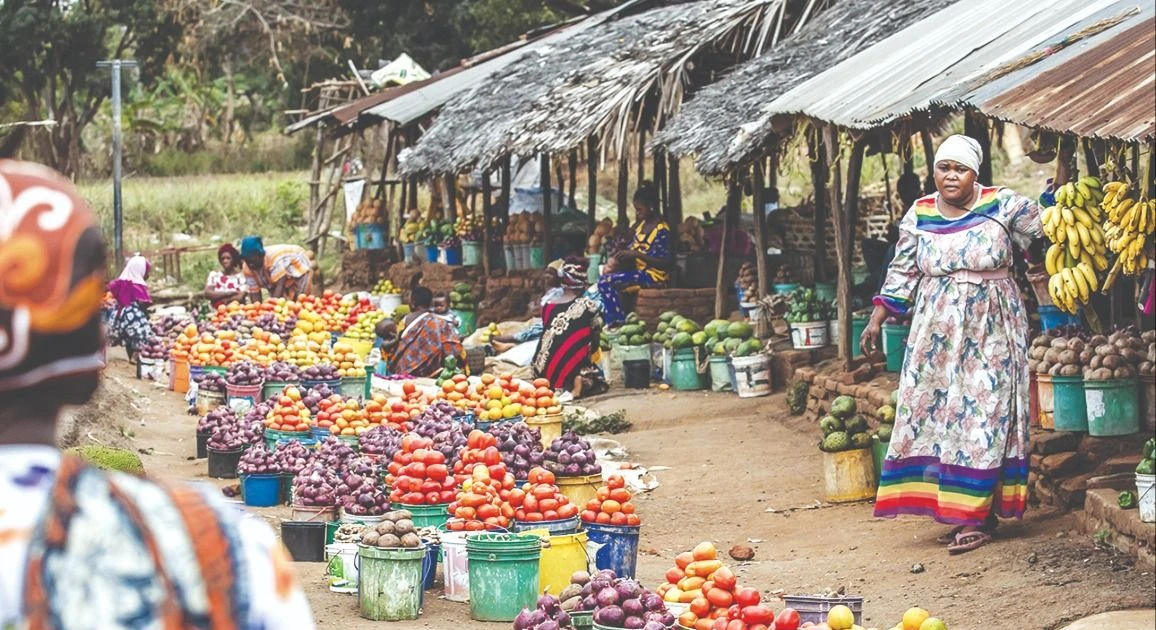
{"x": 961, "y": 149}
{"x": 135, "y": 270}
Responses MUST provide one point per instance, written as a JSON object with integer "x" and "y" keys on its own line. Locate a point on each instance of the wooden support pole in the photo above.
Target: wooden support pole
{"x": 623, "y": 185}
{"x": 591, "y": 182}
{"x": 544, "y": 161}
{"x": 506, "y": 184}
{"x": 757, "y": 187}
{"x": 674, "y": 190}
{"x": 572, "y": 183}
{"x": 1090, "y": 158}
{"x": 730, "y": 220}
{"x": 929, "y": 157}
{"x": 975, "y": 126}
{"x": 819, "y": 175}
{"x": 487, "y": 212}
{"x": 641, "y": 156}
{"x": 451, "y": 198}
{"x": 663, "y": 209}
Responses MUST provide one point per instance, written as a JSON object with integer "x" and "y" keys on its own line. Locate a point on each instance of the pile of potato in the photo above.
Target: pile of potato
{"x": 748, "y": 282}
{"x": 1120, "y": 355}
{"x": 395, "y": 531}
{"x": 602, "y": 231}
{"x": 370, "y": 211}
{"x": 1057, "y": 355}
{"x": 526, "y": 228}
{"x": 691, "y": 235}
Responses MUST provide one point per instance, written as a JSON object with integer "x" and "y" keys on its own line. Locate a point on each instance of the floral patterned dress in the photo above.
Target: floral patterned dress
{"x": 959, "y": 449}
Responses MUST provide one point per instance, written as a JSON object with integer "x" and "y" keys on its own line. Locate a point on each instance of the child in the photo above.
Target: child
{"x": 386, "y": 331}
{"x": 441, "y": 307}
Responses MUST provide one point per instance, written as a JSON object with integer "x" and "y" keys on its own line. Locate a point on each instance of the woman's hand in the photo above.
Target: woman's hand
{"x": 869, "y": 341}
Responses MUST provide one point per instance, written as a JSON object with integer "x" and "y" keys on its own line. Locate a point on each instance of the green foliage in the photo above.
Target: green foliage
{"x": 107, "y": 458}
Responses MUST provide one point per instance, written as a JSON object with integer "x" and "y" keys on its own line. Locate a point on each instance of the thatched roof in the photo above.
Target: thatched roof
{"x": 724, "y": 125}
{"x": 594, "y": 82}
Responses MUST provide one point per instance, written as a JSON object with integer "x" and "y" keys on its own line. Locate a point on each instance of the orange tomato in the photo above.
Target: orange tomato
{"x": 611, "y": 506}
{"x": 720, "y": 598}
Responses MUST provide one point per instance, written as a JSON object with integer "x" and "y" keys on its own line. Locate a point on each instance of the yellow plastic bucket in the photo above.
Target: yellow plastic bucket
{"x": 549, "y": 426}
{"x": 849, "y": 475}
{"x": 580, "y": 489}
{"x": 360, "y": 346}
{"x": 562, "y": 555}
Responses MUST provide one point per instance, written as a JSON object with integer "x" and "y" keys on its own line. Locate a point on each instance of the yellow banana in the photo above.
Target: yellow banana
{"x": 1083, "y": 216}
{"x": 1084, "y": 234}
{"x": 1055, "y": 284}
{"x": 1083, "y": 189}
{"x": 1060, "y": 235}
{"x": 1101, "y": 262}
{"x": 1091, "y": 181}
{"x": 1113, "y": 186}
{"x": 1069, "y": 216}
{"x": 1081, "y": 284}
{"x": 1089, "y": 276}
{"x": 1097, "y": 235}
{"x": 1073, "y": 239}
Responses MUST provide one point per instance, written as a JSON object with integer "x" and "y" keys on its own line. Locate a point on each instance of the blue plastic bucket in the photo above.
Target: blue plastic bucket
{"x": 453, "y": 255}
{"x": 369, "y": 236}
{"x": 407, "y": 252}
{"x": 613, "y": 547}
{"x": 261, "y": 490}
{"x": 429, "y": 566}
{"x": 431, "y": 254}
{"x": 784, "y": 288}
{"x": 320, "y": 433}
{"x": 1052, "y": 318}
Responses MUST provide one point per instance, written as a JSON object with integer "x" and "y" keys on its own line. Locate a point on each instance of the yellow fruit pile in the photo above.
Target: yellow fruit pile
{"x": 1129, "y": 222}
{"x": 1079, "y": 247}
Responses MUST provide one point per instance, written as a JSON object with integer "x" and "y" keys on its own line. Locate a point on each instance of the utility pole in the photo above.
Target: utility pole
{"x": 117, "y": 142}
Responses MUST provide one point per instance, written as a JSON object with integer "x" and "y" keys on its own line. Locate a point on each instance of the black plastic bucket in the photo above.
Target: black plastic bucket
{"x": 305, "y": 540}
{"x": 202, "y": 445}
{"x": 223, "y": 464}
{"x": 636, "y": 374}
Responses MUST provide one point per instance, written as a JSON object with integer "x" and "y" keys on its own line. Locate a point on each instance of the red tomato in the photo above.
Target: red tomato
{"x": 748, "y": 597}
{"x": 432, "y": 497}
{"x": 445, "y": 496}
{"x": 720, "y": 598}
{"x": 719, "y": 624}
{"x": 735, "y": 624}
{"x": 725, "y": 579}
{"x": 615, "y": 481}
{"x": 588, "y": 516}
{"x": 437, "y": 472}
{"x": 758, "y": 614}
{"x": 492, "y": 456}
{"x": 788, "y": 619}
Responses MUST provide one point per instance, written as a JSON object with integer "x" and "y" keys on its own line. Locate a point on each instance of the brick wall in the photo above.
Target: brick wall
{"x": 867, "y": 384}
{"x": 799, "y": 223}
{"x": 695, "y": 304}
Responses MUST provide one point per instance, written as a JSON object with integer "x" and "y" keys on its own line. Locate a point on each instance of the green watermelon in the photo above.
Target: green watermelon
{"x": 687, "y": 326}
{"x": 667, "y": 316}
{"x": 681, "y": 340}
{"x": 698, "y": 338}
{"x": 739, "y": 330}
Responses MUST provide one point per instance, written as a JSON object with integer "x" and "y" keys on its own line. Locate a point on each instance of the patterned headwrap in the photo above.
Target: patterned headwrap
{"x": 573, "y": 273}
{"x": 228, "y": 248}
{"x": 52, "y": 271}
{"x": 251, "y": 245}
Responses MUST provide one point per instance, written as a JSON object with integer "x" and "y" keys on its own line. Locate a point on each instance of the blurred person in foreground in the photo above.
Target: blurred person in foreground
{"x": 82, "y": 547}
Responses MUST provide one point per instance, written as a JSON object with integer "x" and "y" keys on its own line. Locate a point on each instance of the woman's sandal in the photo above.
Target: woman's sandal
{"x": 949, "y": 537}
{"x": 968, "y": 541}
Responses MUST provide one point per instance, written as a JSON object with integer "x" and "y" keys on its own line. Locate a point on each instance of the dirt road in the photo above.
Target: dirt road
{"x": 742, "y": 471}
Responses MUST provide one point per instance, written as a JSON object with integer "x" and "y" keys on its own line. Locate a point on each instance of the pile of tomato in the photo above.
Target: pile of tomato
{"x": 418, "y": 474}
{"x": 481, "y": 449}
{"x": 482, "y": 503}
{"x": 612, "y": 505}
{"x": 716, "y": 601}
{"x": 540, "y": 500}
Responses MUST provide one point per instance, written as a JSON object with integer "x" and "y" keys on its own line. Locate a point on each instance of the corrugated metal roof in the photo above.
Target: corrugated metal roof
{"x": 921, "y": 64}
{"x": 1104, "y": 86}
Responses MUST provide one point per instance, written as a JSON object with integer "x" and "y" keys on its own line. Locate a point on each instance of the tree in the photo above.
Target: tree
{"x": 49, "y": 50}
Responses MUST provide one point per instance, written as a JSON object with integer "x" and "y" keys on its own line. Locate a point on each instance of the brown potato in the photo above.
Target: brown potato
{"x": 1076, "y": 345}
{"x": 410, "y": 540}
{"x": 1060, "y": 343}
{"x": 385, "y": 527}
{"x": 1070, "y": 370}
{"x": 1125, "y": 372}
{"x": 1069, "y": 357}
{"x": 389, "y": 540}
{"x": 402, "y": 527}
{"x": 370, "y": 538}
{"x": 1112, "y": 361}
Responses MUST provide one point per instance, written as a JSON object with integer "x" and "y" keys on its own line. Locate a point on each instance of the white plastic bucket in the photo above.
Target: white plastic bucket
{"x": 341, "y": 570}
{"x": 1146, "y": 492}
{"x": 389, "y": 302}
{"x": 833, "y": 332}
{"x": 455, "y": 567}
{"x": 808, "y": 335}
{"x": 753, "y": 375}
{"x": 369, "y": 521}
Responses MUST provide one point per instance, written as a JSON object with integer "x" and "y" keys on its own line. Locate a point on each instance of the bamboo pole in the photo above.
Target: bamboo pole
{"x": 623, "y": 184}
{"x": 641, "y": 156}
{"x": 674, "y": 185}
{"x": 730, "y": 219}
{"x": 663, "y": 209}
{"x": 573, "y": 181}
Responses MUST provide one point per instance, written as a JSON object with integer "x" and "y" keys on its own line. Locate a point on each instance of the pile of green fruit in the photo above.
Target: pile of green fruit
{"x": 731, "y": 338}
{"x": 462, "y": 297}
{"x": 806, "y": 307}
{"x": 844, "y": 428}
{"x": 633, "y": 332}
{"x": 886, "y": 416}
{"x": 450, "y": 369}
{"x": 677, "y": 332}
{"x": 1147, "y": 466}
{"x": 385, "y": 287}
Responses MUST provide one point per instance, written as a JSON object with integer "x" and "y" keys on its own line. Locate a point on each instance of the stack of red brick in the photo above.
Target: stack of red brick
{"x": 1064, "y": 466}
{"x": 694, "y": 304}
{"x": 868, "y": 384}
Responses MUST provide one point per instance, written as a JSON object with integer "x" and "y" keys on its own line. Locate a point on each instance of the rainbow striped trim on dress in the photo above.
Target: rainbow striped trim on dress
{"x": 955, "y": 495}
{"x": 928, "y": 218}
{"x": 893, "y": 303}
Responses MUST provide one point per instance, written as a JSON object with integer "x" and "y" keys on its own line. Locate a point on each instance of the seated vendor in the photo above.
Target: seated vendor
{"x": 553, "y": 286}
{"x": 425, "y": 341}
{"x": 285, "y": 271}
{"x": 647, "y": 261}
{"x": 227, "y": 284}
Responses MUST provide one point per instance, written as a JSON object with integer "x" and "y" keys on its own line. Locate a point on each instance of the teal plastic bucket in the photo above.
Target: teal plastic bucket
{"x": 592, "y": 269}
{"x": 785, "y": 288}
{"x": 878, "y": 453}
{"x": 389, "y": 582}
{"x": 825, "y": 291}
{"x": 895, "y": 345}
{"x": 683, "y": 375}
{"x": 469, "y": 322}
{"x": 503, "y": 572}
{"x": 434, "y": 515}
{"x": 858, "y": 325}
{"x": 1113, "y": 407}
{"x": 1070, "y": 404}
{"x": 353, "y": 387}
{"x": 272, "y": 389}
{"x": 471, "y": 253}
{"x": 369, "y": 236}
{"x": 537, "y": 258}
{"x": 720, "y": 374}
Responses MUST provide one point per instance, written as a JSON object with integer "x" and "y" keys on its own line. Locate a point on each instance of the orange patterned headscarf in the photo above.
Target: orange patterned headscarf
{"x": 52, "y": 268}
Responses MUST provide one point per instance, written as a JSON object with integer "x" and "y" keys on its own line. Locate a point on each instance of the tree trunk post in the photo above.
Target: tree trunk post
{"x": 819, "y": 174}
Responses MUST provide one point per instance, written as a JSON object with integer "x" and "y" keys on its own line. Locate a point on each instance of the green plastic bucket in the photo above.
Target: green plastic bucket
{"x": 469, "y": 321}
{"x": 895, "y": 345}
{"x": 427, "y": 515}
{"x": 1071, "y": 408}
{"x": 878, "y": 453}
{"x": 825, "y": 291}
{"x": 471, "y": 253}
{"x": 582, "y": 619}
{"x": 1113, "y": 407}
{"x": 271, "y": 438}
{"x": 537, "y": 257}
{"x": 720, "y": 374}
{"x": 683, "y": 375}
{"x": 503, "y": 572}
{"x": 271, "y": 390}
{"x": 353, "y": 387}
{"x": 858, "y": 325}
{"x": 389, "y": 583}
{"x": 331, "y": 531}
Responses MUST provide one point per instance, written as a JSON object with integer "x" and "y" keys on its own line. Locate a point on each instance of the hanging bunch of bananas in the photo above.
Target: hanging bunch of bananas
{"x": 1129, "y": 220}
{"x": 1079, "y": 246}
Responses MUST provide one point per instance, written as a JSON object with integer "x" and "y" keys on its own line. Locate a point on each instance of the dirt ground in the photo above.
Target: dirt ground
{"x": 744, "y": 471}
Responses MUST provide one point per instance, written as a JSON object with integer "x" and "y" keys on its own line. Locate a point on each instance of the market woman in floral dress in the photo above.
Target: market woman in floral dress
{"x": 959, "y": 450}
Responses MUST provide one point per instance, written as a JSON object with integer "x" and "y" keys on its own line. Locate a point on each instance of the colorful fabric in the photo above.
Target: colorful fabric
{"x": 961, "y": 149}
{"x": 959, "y": 448}
{"x": 251, "y": 246}
{"x": 655, "y": 243}
{"x": 219, "y": 281}
{"x": 130, "y": 328}
{"x": 424, "y": 345}
{"x": 282, "y": 261}
{"x": 52, "y": 278}
{"x": 107, "y": 550}
{"x": 573, "y": 275}
{"x": 569, "y": 339}
{"x": 131, "y": 287}
{"x": 609, "y": 286}
{"x": 531, "y": 332}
